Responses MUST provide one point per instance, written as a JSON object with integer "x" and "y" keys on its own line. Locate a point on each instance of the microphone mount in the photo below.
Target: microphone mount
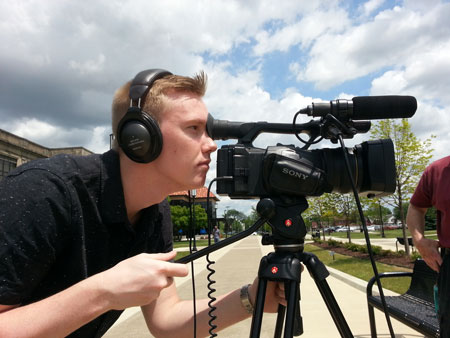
{"x": 246, "y": 132}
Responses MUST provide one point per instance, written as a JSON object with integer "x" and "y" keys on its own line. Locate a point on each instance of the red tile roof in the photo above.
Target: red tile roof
{"x": 201, "y": 193}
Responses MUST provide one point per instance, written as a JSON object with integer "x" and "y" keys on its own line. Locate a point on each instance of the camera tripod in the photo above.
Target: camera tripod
{"x": 284, "y": 265}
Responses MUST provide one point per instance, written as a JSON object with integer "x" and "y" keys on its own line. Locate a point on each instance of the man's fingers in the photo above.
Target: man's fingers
{"x": 170, "y": 269}
{"x": 167, "y": 256}
{"x": 177, "y": 270}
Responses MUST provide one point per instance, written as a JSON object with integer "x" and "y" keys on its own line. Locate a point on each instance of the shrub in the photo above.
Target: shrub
{"x": 362, "y": 248}
{"x": 415, "y": 255}
{"x": 333, "y": 242}
{"x": 384, "y": 252}
{"x": 377, "y": 250}
{"x": 351, "y": 246}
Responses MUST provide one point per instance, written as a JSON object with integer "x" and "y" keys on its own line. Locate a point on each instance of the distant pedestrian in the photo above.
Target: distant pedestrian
{"x": 216, "y": 234}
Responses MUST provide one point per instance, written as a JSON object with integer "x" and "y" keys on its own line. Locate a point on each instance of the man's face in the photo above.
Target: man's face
{"x": 185, "y": 157}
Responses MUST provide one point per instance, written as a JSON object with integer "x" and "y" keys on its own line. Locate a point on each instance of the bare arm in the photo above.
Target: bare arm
{"x": 428, "y": 248}
{"x": 133, "y": 282}
{"x": 169, "y": 316}
{"x": 56, "y": 316}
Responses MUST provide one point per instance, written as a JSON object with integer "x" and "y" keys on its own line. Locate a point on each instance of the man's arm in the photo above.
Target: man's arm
{"x": 133, "y": 282}
{"x": 56, "y": 316}
{"x": 428, "y": 248}
{"x": 168, "y": 316}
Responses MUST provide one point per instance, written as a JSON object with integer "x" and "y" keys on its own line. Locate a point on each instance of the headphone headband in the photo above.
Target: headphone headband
{"x": 143, "y": 81}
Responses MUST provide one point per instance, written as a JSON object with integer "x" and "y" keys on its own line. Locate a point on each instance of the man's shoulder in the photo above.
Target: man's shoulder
{"x": 445, "y": 161}
{"x": 63, "y": 170}
{"x": 64, "y": 165}
{"x": 440, "y": 165}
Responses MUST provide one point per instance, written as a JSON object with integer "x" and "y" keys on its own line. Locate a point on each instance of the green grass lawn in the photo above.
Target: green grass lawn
{"x": 360, "y": 268}
{"x": 185, "y": 244}
{"x": 181, "y": 254}
{"x": 377, "y": 234}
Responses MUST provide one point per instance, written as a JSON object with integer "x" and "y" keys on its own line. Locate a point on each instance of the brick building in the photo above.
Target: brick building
{"x": 15, "y": 150}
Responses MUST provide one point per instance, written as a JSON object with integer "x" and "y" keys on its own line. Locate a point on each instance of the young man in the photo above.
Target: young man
{"x": 82, "y": 238}
{"x": 433, "y": 190}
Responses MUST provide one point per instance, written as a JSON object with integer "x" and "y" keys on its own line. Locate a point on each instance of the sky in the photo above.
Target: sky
{"x": 61, "y": 62}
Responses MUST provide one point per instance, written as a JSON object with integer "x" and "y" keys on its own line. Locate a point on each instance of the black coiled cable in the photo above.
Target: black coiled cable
{"x": 212, "y": 299}
{"x": 211, "y": 282}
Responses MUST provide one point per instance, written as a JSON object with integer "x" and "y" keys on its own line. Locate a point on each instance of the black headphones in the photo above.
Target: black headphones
{"x": 138, "y": 133}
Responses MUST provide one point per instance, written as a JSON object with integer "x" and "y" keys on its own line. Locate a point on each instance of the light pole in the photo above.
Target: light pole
{"x": 215, "y": 215}
{"x": 193, "y": 193}
{"x": 381, "y": 219}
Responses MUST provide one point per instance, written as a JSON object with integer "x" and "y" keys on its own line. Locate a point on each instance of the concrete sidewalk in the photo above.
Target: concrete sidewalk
{"x": 385, "y": 243}
{"x": 237, "y": 264}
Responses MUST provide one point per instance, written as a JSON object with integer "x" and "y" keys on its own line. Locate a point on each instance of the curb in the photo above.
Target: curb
{"x": 357, "y": 283}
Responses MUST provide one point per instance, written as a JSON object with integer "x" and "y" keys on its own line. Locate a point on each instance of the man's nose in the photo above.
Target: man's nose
{"x": 209, "y": 144}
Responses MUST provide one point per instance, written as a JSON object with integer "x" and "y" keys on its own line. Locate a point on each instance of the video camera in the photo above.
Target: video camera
{"x": 282, "y": 176}
{"x": 285, "y": 170}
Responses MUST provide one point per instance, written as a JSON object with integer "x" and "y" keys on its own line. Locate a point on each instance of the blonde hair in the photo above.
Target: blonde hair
{"x": 153, "y": 102}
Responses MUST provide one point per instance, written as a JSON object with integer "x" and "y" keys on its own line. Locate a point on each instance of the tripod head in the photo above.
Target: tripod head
{"x": 288, "y": 227}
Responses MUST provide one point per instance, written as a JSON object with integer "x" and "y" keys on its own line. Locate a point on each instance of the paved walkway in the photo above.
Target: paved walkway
{"x": 385, "y": 243}
{"x": 238, "y": 263}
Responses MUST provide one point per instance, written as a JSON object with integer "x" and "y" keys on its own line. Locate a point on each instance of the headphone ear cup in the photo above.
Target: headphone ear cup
{"x": 139, "y": 136}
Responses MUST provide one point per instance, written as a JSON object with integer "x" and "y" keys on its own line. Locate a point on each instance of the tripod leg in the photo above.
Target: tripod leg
{"x": 259, "y": 309}
{"x": 319, "y": 273}
{"x": 293, "y": 306}
{"x": 334, "y": 309}
{"x": 280, "y": 321}
{"x": 294, "y": 324}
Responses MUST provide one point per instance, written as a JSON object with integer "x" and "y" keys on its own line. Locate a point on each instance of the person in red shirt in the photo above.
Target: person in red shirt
{"x": 434, "y": 190}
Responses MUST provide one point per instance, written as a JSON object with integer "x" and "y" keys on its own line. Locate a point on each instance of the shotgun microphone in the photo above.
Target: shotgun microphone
{"x": 365, "y": 107}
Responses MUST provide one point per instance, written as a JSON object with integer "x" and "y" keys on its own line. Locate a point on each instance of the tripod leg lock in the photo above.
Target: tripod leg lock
{"x": 315, "y": 266}
{"x": 278, "y": 266}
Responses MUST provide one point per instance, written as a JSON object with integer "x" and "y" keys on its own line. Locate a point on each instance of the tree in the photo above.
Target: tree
{"x": 430, "y": 219}
{"x": 346, "y": 208}
{"x": 316, "y": 211}
{"x": 411, "y": 159}
{"x": 376, "y": 212}
{"x": 180, "y": 219}
{"x": 396, "y": 210}
{"x": 322, "y": 210}
{"x": 234, "y": 218}
{"x": 201, "y": 219}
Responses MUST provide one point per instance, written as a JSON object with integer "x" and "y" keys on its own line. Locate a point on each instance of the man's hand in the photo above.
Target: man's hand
{"x": 139, "y": 280}
{"x": 275, "y": 295}
{"x": 429, "y": 250}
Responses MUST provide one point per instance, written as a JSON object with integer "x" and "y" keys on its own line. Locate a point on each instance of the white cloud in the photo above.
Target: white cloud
{"x": 47, "y": 135}
{"x": 367, "y": 8}
{"x": 99, "y": 142}
{"x": 61, "y": 61}
{"x": 302, "y": 32}
{"x": 89, "y": 66}
{"x": 34, "y": 130}
{"x": 390, "y": 40}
